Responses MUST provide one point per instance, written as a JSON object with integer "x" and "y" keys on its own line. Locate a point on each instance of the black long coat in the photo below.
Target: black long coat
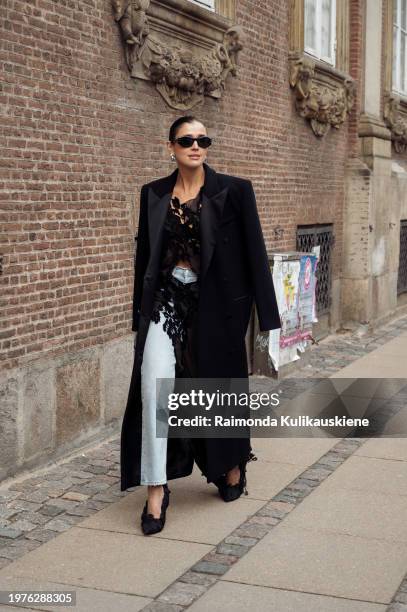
{"x": 234, "y": 271}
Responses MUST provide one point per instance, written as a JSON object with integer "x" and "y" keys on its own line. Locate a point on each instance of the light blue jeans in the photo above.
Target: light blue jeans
{"x": 158, "y": 363}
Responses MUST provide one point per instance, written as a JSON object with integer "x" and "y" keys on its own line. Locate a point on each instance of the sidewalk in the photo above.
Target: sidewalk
{"x": 324, "y": 526}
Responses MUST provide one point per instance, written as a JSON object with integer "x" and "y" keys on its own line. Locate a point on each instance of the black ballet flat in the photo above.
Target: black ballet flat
{"x": 230, "y": 492}
{"x": 150, "y": 524}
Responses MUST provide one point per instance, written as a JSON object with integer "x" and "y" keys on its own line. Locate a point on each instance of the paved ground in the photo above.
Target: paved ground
{"x": 323, "y": 526}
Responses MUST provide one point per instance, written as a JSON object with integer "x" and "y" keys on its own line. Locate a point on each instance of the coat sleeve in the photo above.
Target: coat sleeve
{"x": 142, "y": 255}
{"x": 262, "y": 280}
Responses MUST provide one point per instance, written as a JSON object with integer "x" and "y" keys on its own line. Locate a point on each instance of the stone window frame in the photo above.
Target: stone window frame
{"x": 222, "y": 9}
{"x": 394, "y": 102}
{"x": 324, "y": 94}
{"x": 226, "y": 8}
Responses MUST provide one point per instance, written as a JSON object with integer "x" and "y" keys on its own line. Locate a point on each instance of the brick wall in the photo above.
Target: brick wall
{"x": 81, "y": 138}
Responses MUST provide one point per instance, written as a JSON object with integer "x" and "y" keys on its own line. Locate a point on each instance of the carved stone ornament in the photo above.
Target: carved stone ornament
{"x": 396, "y": 121}
{"x": 180, "y": 75}
{"x": 324, "y": 104}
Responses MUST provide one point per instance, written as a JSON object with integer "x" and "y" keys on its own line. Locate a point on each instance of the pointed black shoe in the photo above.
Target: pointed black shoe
{"x": 150, "y": 524}
{"x": 230, "y": 492}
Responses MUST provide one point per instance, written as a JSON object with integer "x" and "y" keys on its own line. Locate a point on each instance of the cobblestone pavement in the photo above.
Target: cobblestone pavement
{"x": 38, "y": 508}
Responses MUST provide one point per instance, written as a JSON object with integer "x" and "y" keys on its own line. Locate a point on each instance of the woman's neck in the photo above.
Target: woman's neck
{"x": 189, "y": 180}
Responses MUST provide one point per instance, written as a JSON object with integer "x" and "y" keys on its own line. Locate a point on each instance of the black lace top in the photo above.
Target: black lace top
{"x": 181, "y": 235}
{"x": 178, "y": 301}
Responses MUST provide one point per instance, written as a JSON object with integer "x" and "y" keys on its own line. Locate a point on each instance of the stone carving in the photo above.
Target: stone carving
{"x": 396, "y": 121}
{"x": 132, "y": 18}
{"x": 182, "y": 77}
{"x": 324, "y": 106}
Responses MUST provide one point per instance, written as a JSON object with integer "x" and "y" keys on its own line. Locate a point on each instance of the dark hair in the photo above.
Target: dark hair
{"x": 177, "y": 123}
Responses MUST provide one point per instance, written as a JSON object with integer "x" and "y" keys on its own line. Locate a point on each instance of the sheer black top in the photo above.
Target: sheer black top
{"x": 181, "y": 235}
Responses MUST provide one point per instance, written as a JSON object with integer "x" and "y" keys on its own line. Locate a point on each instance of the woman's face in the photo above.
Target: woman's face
{"x": 193, "y": 156}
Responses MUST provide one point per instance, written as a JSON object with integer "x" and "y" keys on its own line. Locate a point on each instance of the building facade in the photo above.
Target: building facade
{"x": 306, "y": 98}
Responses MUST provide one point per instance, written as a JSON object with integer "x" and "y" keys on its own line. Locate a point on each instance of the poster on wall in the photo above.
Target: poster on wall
{"x": 294, "y": 282}
{"x": 306, "y": 296}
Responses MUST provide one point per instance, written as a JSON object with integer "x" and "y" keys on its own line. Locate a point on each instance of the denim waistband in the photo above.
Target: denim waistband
{"x": 185, "y": 275}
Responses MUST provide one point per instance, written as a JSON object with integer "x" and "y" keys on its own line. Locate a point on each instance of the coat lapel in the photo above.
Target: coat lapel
{"x": 211, "y": 214}
{"x": 213, "y": 200}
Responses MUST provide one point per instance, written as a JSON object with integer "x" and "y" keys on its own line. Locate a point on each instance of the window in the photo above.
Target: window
{"x": 210, "y": 4}
{"x": 319, "y": 58}
{"x": 400, "y": 46}
{"x": 320, "y": 29}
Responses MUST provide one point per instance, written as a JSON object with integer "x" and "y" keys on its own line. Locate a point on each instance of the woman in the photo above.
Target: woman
{"x": 200, "y": 262}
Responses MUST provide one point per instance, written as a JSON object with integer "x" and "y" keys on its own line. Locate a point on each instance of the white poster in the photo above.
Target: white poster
{"x": 294, "y": 283}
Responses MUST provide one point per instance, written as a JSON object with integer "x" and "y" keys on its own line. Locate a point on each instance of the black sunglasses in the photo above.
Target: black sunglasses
{"x": 187, "y": 141}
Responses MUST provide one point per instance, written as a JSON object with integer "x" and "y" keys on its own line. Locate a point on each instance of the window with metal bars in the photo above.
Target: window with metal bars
{"x": 402, "y": 274}
{"x": 309, "y": 236}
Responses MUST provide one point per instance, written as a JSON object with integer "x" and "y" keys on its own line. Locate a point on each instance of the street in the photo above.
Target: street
{"x": 323, "y": 526}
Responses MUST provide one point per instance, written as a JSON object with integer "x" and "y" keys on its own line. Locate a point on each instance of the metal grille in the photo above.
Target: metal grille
{"x": 309, "y": 236}
{"x": 402, "y": 275}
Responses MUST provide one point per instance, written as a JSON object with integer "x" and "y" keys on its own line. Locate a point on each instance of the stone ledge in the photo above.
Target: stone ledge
{"x": 196, "y": 15}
